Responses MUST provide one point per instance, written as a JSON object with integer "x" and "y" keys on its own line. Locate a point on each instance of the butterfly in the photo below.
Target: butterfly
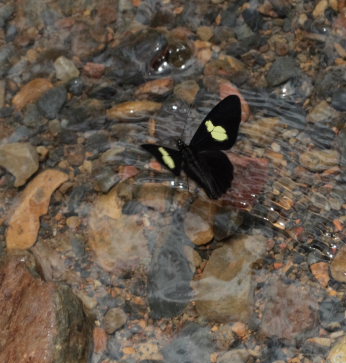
{"x": 202, "y": 159}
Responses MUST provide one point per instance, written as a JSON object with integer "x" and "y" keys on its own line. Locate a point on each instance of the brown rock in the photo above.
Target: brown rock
{"x": 114, "y": 319}
{"x": 319, "y": 160}
{"x": 94, "y": 70}
{"x": 40, "y": 321}
{"x": 74, "y": 154}
{"x": 187, "y": 91}
{"x": 225, "y": 291}
{"x": 133, "y": 110}
{"x": 321, "y": 272}
{"x": 338, "y": 265}
{"x": 100, "y": 340}
{"x": 198, "y": 222}
{"x": 154, "y": 195}
{"x": 24, "y": 222}
{"x": 20, "y": 159}
{"x": 158, "y": 87}
{"x": 117, "y": 240}
{"x": 31, "y": 92}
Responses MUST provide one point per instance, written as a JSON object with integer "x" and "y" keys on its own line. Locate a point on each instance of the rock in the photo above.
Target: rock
{"x": 187, "y": 91}
{"x": 282, "y": 70}
{"x": 338, "y": 265}
{"x": 320, "y": 8}
{"x": 321, "y": 272}
{"x": 234, "y": 356}
{"x": 154, "y": 195}
{"x": 288, "y": 310}
{"x": 65, "y": 69}
{"x": 51, "y": 102}
{"x": 198, "y": 222}
{"x": 117, "y": 240}
{"x": 338, "y": 352}
{"x": 94, "y": 70}
{"x": 24, "y": 221}
{"x": 114, "y": 319}
{"x": 205, "y": 32}
{"x": 100, "y": 340}
{"x": 6, "y": 12}
{"x": 2, "y": 93}
{"x": 74, "y": 154}
{"x": 170, "y": 274}
{"x": 224, "y": 337}
{"x": 193, "y": 344}
{"x": 253, "y": 19}
{"x": 321, "y": 113}
{"x": 319, "y": 160}
{"x": 41, "y": 321}
{"x": 157, "y": 87}
{"x": 225, "y": 291}
{"x": 133, "y": 110}
{"x": 20, "y": 159}
{"x": 31, "y": 92}
{"x": 339, "y": 99}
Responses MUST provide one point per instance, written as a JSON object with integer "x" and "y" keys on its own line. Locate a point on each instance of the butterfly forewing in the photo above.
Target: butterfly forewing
{"x": 168, "y": 157}
{"x": 219, "y": 129}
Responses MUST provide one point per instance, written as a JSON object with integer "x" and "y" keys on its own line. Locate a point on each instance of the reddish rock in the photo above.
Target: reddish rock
{"x": 40, "y": 321}
{"x": 94, "y": 70}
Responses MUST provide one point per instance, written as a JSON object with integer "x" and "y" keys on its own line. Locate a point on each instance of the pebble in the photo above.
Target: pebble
{"x": 321, "y": 272}
{"x": 223, "y": 293}
{"x": 320, "y": 8}
{"x": 234, "y": 356}
{"x": 31, "y": 92}
{"x": 319, "y": 160}
{"x": 2, "y": 93}
{"x": 24, "y": 221}
{"x": 205, "y": 32}
{"x": 94, "y": 70}
{"x": 322, "y": 112}
{"x": 338, "y": 265}
{"x": 339, "y": 99}
{"x": 114, "y": 319}
{"x": 20, "y": 159}
{"x": 51, "y": 102}
{"x": 338, "y": 352}
{"x": 282, "y": 70}
{"x": 65, "y": 69}
{"x": 187, "y": 91}
{"x": 133, "y": 110}
{"x": 157, "y": 87}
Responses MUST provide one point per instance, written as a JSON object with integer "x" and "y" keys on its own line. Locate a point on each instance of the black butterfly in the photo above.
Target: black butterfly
{"x": 202, "y": 159}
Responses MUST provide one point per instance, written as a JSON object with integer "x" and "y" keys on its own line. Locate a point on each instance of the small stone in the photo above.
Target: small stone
{"x": 321, "y": 272}
{"x": 51, "y": 102}
{"x": 31, "y": 92}
{"x": 282, "y": 70}
{"x": 339, "y": 99}
{"x": 234, "y": 356}
{"x": 205, "y": 32}
{"x": 73, "y": 222}
{"x": 94, "y": 70}
{"x": 157, "y": 87}
{"x": 20, "y": 159}
{"x": 114, "y": 319}
{"x": 100, "y": 340}
{"x": 133, "y": 110}
{"x": 338, "y": 265}
{"x": 24, "y": 221}
{"x": 187, "y": 91}
{"x": 319, "y": 160}
{"x": 154, "y": 195}
{"x": 320, "y": 9}
{"x": 338, "y": 352}
{"x": 2, "y": 93}
{"x": 322, "y": 112}
{"x": 54, "y": 126}
{"x": 65, "y": 69}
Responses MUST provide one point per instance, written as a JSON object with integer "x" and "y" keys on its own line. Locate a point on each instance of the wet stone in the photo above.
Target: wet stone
{"x": 339, "y": 99}
{"x": 97, "y": 142}
{"x": 187, "y": 91}
{"x": 319, "y": 160}
{"x": 193, "y": 344}
{"x": 338, "y": 352}
{"x": 32, "y": 117}
{"x": 76, "y": 86}
{"x": 105, "y": 179}
{"x": 52, "y": 101}
{"x": 6, "y": 11}
{"x": 114, "y": 319}
{"x": 34, "y": 319}
{"x": 234, "y": 356}
{"x": 74, "y": 154}
{"x": 20, "y": 159}
{"x": 282, "y": 70}
{"x": 338, "y": 265}
{"x": 65, "y": 69}
{"x": 253, "y": 19}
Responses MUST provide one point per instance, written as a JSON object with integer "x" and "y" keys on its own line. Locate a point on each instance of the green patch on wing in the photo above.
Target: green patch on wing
{"x": 167, "y": 159}
{"x": 218, "y": 133}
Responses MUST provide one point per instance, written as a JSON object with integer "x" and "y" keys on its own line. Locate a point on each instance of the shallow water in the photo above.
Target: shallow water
{"x": 247, "y": 278}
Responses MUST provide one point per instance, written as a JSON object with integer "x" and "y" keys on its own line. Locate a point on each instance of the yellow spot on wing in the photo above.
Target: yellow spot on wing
{"x": 168, "y": 160}
{"x": 218, "y": 133}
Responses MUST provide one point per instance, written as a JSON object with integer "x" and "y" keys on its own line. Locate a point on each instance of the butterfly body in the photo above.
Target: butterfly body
{"x": 202, "y": 159}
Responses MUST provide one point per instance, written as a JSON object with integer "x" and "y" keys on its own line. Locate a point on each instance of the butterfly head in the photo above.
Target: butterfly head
{"x": 180, "y": 144}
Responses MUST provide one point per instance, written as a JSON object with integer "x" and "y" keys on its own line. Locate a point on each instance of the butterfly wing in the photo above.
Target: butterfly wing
{"x": 219, "y": 129}
{"x": 214, "y": 174}
{"x": 169, "y": 158}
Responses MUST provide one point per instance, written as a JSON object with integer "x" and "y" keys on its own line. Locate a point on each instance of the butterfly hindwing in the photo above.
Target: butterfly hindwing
{"x": 219, "y": 129}
{"x": 169, "y": 158}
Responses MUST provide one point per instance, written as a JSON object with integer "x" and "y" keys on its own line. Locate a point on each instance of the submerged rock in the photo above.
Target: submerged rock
{"x": 40, "y": 321}
{"x": 20, "y": 159}
{"x": 225, "y": 291}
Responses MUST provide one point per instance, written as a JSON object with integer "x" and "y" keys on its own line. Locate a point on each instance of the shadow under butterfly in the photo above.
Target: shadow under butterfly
{"x": 202, "y": 159}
